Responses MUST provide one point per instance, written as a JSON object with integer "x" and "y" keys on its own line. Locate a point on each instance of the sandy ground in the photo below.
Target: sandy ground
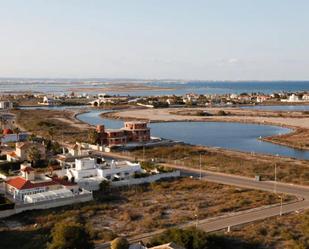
{"x": 165, "y": 115}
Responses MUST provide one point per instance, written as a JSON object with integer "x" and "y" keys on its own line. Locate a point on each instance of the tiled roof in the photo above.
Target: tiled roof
{"x": 27, "y": 169}
{"x": 12, "y": 154}
{"x": 21, "y": 183}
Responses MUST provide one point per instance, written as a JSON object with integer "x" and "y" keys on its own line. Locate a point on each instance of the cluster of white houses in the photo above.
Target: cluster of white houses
{"x": 89, "y": 172}
{"x": 82, "y": 175}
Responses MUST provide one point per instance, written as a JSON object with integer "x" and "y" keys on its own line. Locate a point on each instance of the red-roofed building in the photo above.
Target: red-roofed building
{"x": 19, "y": 186}
{"x": 7, "y": 132}
{"x": 29, "y": 183}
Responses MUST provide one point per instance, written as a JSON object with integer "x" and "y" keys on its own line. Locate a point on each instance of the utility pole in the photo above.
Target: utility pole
{"x": 275, "y": 183}
{"x": 143, "y": 152}
{"x": 200, "y": 166}
{"x": 196, "y": 217}
{"x": 280, "y": 213}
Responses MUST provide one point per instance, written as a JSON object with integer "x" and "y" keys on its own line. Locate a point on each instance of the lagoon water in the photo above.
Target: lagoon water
{"x": 287, "y": 108}
{"x": 234, "y": 136}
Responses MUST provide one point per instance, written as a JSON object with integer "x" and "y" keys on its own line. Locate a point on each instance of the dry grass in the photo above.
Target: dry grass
{"x": 39, "y": 122}
{"x": 295, "y": 171}
{"x": 147, "y": 208}
{"x": 291, "y": 231}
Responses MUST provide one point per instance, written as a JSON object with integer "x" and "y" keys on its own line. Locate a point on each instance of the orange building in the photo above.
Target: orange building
{"x": 131, "y": 132}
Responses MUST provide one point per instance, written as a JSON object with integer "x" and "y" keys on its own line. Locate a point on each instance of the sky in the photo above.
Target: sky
{"x": 155, "y": 39}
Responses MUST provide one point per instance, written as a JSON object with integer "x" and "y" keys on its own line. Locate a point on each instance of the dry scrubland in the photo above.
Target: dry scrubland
{"x": 290, "y": 232}
{"x": 58, "y": 125}
{"x": 288, "y": 170}
{"x": 137, "y": 210}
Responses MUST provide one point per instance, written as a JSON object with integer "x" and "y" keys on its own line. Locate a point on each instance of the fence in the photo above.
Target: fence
{"x": 47, "y": 204}
{"x": 149, "y": 179}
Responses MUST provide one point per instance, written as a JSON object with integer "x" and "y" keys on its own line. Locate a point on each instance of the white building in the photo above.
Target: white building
{"x": 88, "y": 174}
{"x": 291, "y": 98}
{"x": 305, "y": 97}
{"x": 5, "y": 105}
{"x": 48, "y": 101}
{"x": 30, "y": 183}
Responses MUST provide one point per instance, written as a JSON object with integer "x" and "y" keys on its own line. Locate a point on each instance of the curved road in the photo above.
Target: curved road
{"x": 242, "y": 217}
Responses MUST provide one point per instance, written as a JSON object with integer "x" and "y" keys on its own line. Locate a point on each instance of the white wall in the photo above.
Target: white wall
{"x": 149, "y": 179}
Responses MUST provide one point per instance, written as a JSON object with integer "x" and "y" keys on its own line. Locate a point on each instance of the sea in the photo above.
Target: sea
{"x": 167, "y": 87}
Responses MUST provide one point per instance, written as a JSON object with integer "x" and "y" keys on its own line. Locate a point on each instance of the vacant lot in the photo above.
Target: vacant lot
{"x": 57, "y": 125}
{"x": 142, "y": 209}
{"x": 244, "y": 164}
{"x": 291, "y": 231}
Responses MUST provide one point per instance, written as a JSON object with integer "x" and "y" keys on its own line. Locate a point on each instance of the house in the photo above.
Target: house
{"x": 29, "y": 183}
{"x": 305, "y": 97}
{"x": 291, "y": 98}
{"x": 9, "y": 136}
{"x": 262, "y": 98}
{"x": 22, "y": 151}
{"x": 89, "y": 167}
{"x": 136, "y": 131}
{"x": 233, "y": 96}
{"x": 132, "y": 132}
{"x": 76, "y": 150}
{"x": 5, "y": 105}
{"x": 48, "y": 101}
{"x": 106, "y": 99}
{"x": 89, "y": 172}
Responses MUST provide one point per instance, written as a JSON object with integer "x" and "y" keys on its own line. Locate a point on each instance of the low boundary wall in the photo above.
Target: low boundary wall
{"x": 47, "y": 204}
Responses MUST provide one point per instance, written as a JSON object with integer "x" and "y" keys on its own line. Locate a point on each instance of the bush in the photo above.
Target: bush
{"x": 6, "y": 167}
{"x": 70, "y": 235}
{"x": 190, "y": 238}
{"x": 120, "y": 243}
{"x": 222, "y": 113}
{"x": 5, "y": 203}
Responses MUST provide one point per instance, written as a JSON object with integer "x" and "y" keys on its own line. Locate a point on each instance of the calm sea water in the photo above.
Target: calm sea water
{"x": 234, "y": 136}
{"x": 200, "y": 87}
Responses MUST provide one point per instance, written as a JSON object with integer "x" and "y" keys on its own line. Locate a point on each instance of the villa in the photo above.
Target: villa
{"x": 31, "y": 183}
{"x": 48, "y": 101}
{"x": 132, "y": 132}
{"x": 89, "y": 172}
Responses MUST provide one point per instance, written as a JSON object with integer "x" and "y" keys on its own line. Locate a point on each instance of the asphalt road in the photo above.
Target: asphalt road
{"x": 242, "y": 217}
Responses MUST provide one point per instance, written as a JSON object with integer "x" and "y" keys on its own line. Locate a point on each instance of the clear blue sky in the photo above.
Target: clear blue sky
{"x": 192, "y": 39}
